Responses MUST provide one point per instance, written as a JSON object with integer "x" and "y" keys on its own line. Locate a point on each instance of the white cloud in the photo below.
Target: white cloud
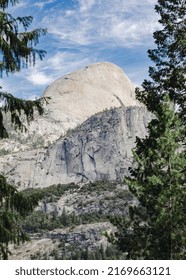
{"x": 65, "y": 62}
{"x": 86, "y": 5}
{"x": 19, "y": 5}
{"x": 69, "y": 13}
{"x": 42, "y": 4}
{"x": 131, "y": 33}
{"x": 105, "y": 22}
{"x": 39, "y": 4}
{"x": 39, "y": 78}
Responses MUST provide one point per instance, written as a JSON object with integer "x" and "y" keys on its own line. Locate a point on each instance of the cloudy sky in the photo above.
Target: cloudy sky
{"x": 81, "y": 32}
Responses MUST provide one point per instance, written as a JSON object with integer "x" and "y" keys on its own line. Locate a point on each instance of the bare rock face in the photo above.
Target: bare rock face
{"x": 95, "y": 117}
{"x": 77, "y": 96}
{"x": 99, "y": 149}
{"x": 43, "y": 245}
{"x": 73, "y": 99}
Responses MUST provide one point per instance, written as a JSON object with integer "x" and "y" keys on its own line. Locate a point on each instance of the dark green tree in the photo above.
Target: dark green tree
{"x": 13, "y": 206}
{"x": 17, "y": 51}
{"x": 17, "y": 48}
{"x": 157, "y": 226}
{"x": 64, "y": 218}
{"x": 168, "y": 74}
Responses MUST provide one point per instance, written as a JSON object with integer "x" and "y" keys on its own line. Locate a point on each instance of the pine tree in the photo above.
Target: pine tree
{"x": 168, "y": 74}
{"x": 17, "y": 51}
{"x": 17, "y": 47}
{"x": 158, "y": 223}
{"x": 13, "y": 206}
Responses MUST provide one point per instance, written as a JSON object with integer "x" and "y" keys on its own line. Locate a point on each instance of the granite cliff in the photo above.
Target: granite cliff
{"x": 73, "y": 99}
{"x": 86, "y": 133}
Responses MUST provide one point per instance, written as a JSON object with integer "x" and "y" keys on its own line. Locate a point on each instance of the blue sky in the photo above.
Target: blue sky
{"x": 81, "y": 32}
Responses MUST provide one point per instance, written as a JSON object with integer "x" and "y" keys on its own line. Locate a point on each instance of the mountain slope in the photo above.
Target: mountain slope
{"x": 73, "y": 99}
{"x": 99, "y": 149}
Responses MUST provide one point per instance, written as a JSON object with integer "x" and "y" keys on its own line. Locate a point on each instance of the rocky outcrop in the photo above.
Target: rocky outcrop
{"x": 49, "y": 244}
{"x": 99, "y": 149}
{"x": 73, "y": 99}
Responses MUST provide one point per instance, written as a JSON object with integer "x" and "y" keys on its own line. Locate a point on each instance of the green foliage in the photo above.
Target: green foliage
{"x": 76, "y": 252}
{"x": 92, "y": 202}
{"x": 13, "y": 207}
{"x": 17, "y": 48}
{"x": 99, "y": 253}
{"x": 4, "y": 3}
{"x": 98, "y": 186}
{"x": 17, "y": 51}
{"x": 39, "y": 221}
{"x": 157, "y": 228}
{"x": 168, "y": 74}
{"x": 16, "y": 107}
{"x": 51, "y": 193}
